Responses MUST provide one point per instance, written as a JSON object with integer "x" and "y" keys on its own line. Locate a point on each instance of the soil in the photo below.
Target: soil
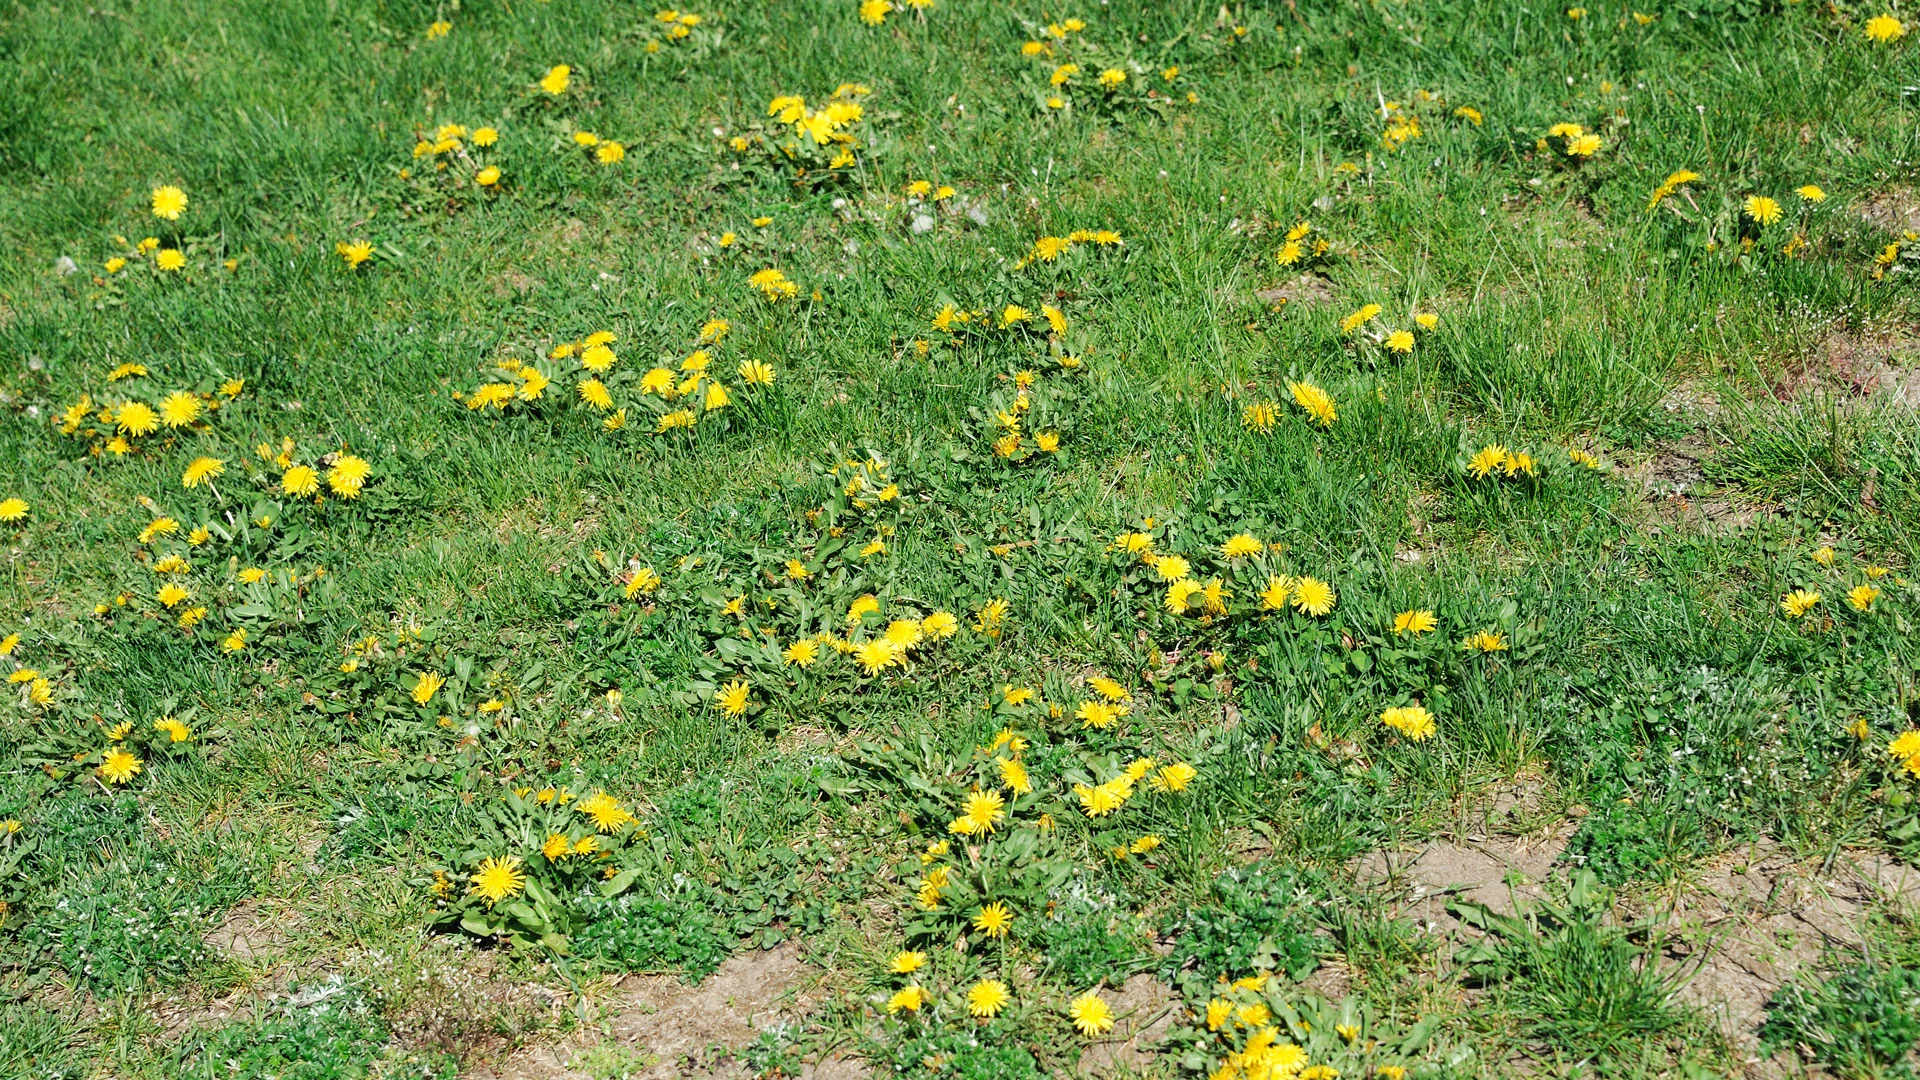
{"x": 1482, "y": 869}
{"x": 1745, "y": 925}
{"x": 661, "y": 1028}
{"x": 252, "y": 933}
{"x": 1895, "y": 210}
{"x": 1144, "y": 1009}
{"x": 1756, "y": 917}
{"x": 1304, "y": 291}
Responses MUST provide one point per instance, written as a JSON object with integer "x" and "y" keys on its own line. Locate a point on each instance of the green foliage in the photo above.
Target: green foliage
{"x": 1252, "y": 920}
{"x": 96, "y": 896}
{"x": 962, "y": 1054}
{"x": 35, "y": 1042}
{"x": 634, "y": 932}
{"x": 1090, "y": 939}
{"x": 1571, "y": 981}
{"x": 1735, "y": 382}
{"x": 1860, "y": 1022}
{"x": 322, "y": 1031}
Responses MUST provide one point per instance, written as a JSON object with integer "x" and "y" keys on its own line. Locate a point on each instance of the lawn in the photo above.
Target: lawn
{"x": 1340, "y": 538}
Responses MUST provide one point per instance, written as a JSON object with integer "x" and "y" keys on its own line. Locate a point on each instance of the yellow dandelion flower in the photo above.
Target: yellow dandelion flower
{"x": 1174, "y": 777}
{"x": 1096, "y": 714}
{"x": 179, "y": 409}
{"x": 1241, "y": 546}
{"x": 117, "y": 766}
{"x": 1091, "y": 1015}
{"x": 1491, "y": 458}
{"x": 1799, "y": 602}
{"x": 1412, "y": 721}
{"x": 1312, "y": 596}
{"x": 1359, "y": 318}
{"x": 987, "y": 998}
{"x": 993, "y": 920}
{"x": 426, "y": 685}
{"x": 606, "y": 812}
{"x": 348, "y": 475}
{"x": 1882, "y": 29}
{"x": 1761, "y": 209}
{"x": 168, "y": 202}
{"x": 201, "y": 471}
{"x": 594, "y": 393}
{"x": 300, "y": 481}
{"x": 497, "y": 879}
{"x": 1416, "y": 622}
{"x": 731, "y": 699}
{"x": 137, "y": 418}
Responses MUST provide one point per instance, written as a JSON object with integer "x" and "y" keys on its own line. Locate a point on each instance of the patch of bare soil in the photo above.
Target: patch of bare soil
{"x": 1894, "y": 210}
{"x": 1144, "y": 1008}
{"x": 253, "y": 932}
{"x": 1304, "y": 291}
{"x": 1885, "y": 364}
{"x": 1480, "y": 868}
{"x": 1674, "y": 480}
{"x": 662, "y": 1028}
{"x": 1755, "y": 917}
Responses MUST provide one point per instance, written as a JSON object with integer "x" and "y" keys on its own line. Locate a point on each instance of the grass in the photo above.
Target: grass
{"x": 1648, "y": 679}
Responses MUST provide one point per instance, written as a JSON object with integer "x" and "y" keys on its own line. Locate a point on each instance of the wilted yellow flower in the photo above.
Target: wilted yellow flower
{"x": 1486, "y": 641}
{"x": 1317, "y": 402}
